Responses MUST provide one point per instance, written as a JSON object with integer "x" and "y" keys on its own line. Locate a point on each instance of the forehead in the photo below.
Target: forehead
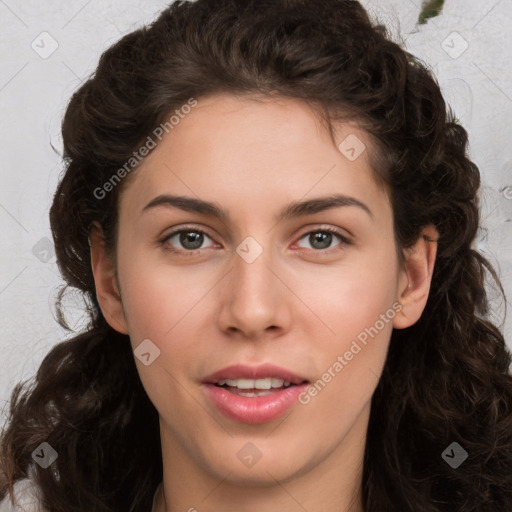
{"x": 248, "y": 148}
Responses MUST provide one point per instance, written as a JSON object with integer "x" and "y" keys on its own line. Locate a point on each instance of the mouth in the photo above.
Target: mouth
{"x": 254, "y": 394}
{"x": 254, "y": 387}
{"x": 265, "y": 378}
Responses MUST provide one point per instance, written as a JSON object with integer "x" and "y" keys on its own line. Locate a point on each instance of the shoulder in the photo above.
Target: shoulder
{"x": 27, "y": 498}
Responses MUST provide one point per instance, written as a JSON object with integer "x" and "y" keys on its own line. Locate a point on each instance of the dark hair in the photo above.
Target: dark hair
{"x": 446, "y": 378}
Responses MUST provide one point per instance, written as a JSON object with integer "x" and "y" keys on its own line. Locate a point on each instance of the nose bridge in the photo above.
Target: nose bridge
{"x": 252, "y": 299}
{"x": 251, "y": 277}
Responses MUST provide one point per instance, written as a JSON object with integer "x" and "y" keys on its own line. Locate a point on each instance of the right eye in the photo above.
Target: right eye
{"x": 191, "y": 239}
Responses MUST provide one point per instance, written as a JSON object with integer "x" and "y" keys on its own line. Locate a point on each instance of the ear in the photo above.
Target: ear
{"x": 107, "y": 290}
{"x": 415, "y": 278}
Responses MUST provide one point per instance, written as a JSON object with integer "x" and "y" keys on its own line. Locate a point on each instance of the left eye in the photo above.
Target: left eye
{"x": 322, "y": 239}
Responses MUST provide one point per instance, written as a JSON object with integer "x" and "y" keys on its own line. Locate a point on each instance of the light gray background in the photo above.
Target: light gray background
{"x": 469, "y": 47}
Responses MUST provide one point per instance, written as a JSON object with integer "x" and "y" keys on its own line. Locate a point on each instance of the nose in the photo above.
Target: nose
{"x": 254, "y": 300}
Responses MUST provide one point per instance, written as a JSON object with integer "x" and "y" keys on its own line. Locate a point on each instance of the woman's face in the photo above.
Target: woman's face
{"x": 265, "y": 291}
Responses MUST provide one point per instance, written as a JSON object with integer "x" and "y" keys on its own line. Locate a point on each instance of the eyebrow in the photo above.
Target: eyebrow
{"x": 292, "y": 210}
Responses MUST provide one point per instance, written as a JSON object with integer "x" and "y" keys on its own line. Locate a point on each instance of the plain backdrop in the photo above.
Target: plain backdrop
{"x": 47, "y": 50}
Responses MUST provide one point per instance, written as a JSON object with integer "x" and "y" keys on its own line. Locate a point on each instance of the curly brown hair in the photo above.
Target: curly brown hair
{"x": 447, "y": 377}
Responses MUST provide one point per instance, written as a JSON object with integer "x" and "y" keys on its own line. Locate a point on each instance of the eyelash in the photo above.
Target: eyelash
{"x": 164, "y": 241}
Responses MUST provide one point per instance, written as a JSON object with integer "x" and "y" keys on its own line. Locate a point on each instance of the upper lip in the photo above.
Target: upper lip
{"x": 241, "y": 371}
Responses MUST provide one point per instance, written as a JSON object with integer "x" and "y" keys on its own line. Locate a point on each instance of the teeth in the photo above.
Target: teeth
{"x": 277, "y": 383}
{"x": 268, "y": 383}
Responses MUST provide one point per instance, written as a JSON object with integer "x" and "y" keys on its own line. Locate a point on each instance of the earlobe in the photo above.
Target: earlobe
{"x": 107, "y": 291}
{"x": 415, "y": 278}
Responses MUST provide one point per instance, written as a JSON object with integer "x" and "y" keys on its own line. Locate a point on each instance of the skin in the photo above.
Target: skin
{"x": 298, "y": 305}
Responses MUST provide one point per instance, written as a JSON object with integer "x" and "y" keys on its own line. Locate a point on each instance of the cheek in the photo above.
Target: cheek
{"x": 164, "y": 305}
{"x": 356, "y": 306}
{"x": 351, "y": 296}
{"x": 158, "y": 297}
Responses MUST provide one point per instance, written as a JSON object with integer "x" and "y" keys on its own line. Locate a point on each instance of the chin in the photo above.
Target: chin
{"x": 278, "y": 460}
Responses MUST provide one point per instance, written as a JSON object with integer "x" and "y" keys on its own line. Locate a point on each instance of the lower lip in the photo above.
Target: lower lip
{"x": 257, "y": 409}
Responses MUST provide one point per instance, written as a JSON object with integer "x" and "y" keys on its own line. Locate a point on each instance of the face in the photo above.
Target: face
{"x": 302, "y": 295}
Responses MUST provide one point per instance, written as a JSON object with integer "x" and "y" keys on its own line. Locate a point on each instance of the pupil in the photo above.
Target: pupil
{"x": 322, "y": 237}
{"x": 191, "y": 236}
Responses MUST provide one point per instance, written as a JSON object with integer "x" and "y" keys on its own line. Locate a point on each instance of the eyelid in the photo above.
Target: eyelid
{"x": 313, "y": 228}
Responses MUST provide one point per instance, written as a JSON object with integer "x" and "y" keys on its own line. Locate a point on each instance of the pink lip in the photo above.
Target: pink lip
{"x": 260, "y": 409}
